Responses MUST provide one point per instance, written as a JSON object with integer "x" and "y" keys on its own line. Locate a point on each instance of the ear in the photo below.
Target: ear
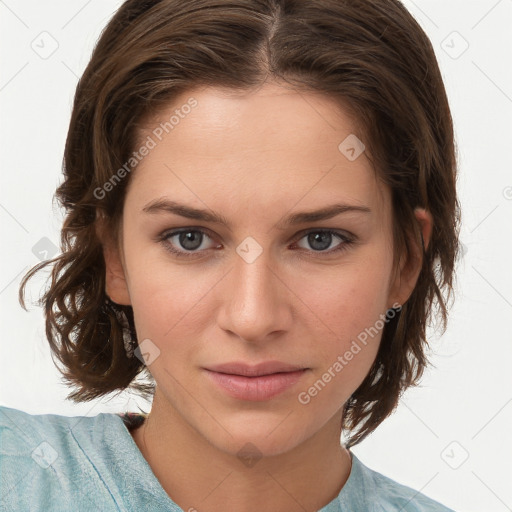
{"x": 116, "y": 286}
{"x": 410, "y": 265}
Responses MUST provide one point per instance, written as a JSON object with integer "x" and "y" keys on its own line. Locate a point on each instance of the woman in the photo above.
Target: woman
{"x": 261, "y": 214}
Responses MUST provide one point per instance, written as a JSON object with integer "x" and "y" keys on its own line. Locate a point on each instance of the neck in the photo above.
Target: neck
{"x": 200, "y": 477}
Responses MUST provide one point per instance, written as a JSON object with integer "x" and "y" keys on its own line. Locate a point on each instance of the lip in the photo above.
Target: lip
{"x": 256, "y": 383}
{"x": 247, "y": 370}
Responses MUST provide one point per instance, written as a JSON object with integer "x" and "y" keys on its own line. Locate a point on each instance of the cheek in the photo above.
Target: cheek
{"x": 170, "y": 301}
{"x": 351, "y": 305}
{"x": 348, "y": 337}
{"x": 350, "y": 298}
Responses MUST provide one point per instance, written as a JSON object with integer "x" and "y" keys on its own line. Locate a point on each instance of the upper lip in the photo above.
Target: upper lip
{"x": 247, "y": 370}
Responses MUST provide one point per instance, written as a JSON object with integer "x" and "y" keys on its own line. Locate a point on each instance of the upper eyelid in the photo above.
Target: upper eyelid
{"x": 176, "y": 231}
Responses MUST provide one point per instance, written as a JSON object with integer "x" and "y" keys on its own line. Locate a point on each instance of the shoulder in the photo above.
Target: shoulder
{"x": 391, "y": 496}
{"x": 43, "y": 464}
{"x": 23, "y": 423}
{"x": 21, "y": 430}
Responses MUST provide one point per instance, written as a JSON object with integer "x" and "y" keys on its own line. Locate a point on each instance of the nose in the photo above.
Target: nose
{"x": 256, "y": 303}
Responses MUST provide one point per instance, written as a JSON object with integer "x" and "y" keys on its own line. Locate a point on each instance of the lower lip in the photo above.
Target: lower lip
{"x": 256, "y": 389}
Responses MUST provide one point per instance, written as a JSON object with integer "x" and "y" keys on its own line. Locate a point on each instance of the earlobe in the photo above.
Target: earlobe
{"x": 409, "y": 270}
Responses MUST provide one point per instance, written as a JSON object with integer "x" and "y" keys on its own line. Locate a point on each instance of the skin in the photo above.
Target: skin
{"x": 255, "y": 158}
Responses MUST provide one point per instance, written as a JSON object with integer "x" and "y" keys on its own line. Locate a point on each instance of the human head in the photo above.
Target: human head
{"x": 371, "y": 57}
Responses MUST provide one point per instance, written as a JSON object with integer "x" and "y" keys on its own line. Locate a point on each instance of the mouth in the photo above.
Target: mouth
{"x": 258, "y": 370}
{"x": 255, "y": 382}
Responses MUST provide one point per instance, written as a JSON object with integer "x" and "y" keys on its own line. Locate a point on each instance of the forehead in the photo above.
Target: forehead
{"x": 267, "y": 147}
{"x": 272, "y": 117}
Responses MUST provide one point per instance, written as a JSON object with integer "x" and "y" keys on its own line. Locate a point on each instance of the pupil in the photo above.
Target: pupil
{"x": 319, "y": 241}
{"x": 190, "y": 240}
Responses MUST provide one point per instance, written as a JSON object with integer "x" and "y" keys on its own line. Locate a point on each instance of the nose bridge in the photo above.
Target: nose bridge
{"x": 255, "y": 278}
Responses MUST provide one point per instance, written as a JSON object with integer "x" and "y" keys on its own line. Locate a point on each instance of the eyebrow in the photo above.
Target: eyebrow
{"x": 165, "y": 205}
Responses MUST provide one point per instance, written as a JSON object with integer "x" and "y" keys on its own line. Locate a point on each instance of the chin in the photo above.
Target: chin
{"x": 250, "y": 448}
{"x": 252, "y": 437}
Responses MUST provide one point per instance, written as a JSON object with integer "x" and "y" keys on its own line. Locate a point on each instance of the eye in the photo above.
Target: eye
{"x": 185, "y": 242}
{"x": 191, "y": 242}
{"x": 320, "y": 240}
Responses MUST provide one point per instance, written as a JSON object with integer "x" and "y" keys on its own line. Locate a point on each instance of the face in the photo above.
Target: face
{"x": 249, "y": 308}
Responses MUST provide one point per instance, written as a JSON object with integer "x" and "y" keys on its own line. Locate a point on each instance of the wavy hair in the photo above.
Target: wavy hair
{"x": 370, "y": 56}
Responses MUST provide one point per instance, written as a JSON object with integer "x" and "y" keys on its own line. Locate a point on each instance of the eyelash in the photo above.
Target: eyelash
{"x": 346, "y": 240}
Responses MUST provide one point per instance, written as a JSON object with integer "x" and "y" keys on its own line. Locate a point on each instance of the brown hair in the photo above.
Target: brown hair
{"x": 369, "y": 55}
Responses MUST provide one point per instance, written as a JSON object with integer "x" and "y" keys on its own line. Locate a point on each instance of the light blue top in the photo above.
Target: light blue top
{"x": 56, "y": 463}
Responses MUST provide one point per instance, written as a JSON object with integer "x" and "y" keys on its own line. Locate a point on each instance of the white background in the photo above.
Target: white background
{"x": 449, "y": 438}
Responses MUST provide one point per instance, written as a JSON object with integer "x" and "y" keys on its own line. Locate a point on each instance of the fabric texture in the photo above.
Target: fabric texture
{"x": 55, "y": 463}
